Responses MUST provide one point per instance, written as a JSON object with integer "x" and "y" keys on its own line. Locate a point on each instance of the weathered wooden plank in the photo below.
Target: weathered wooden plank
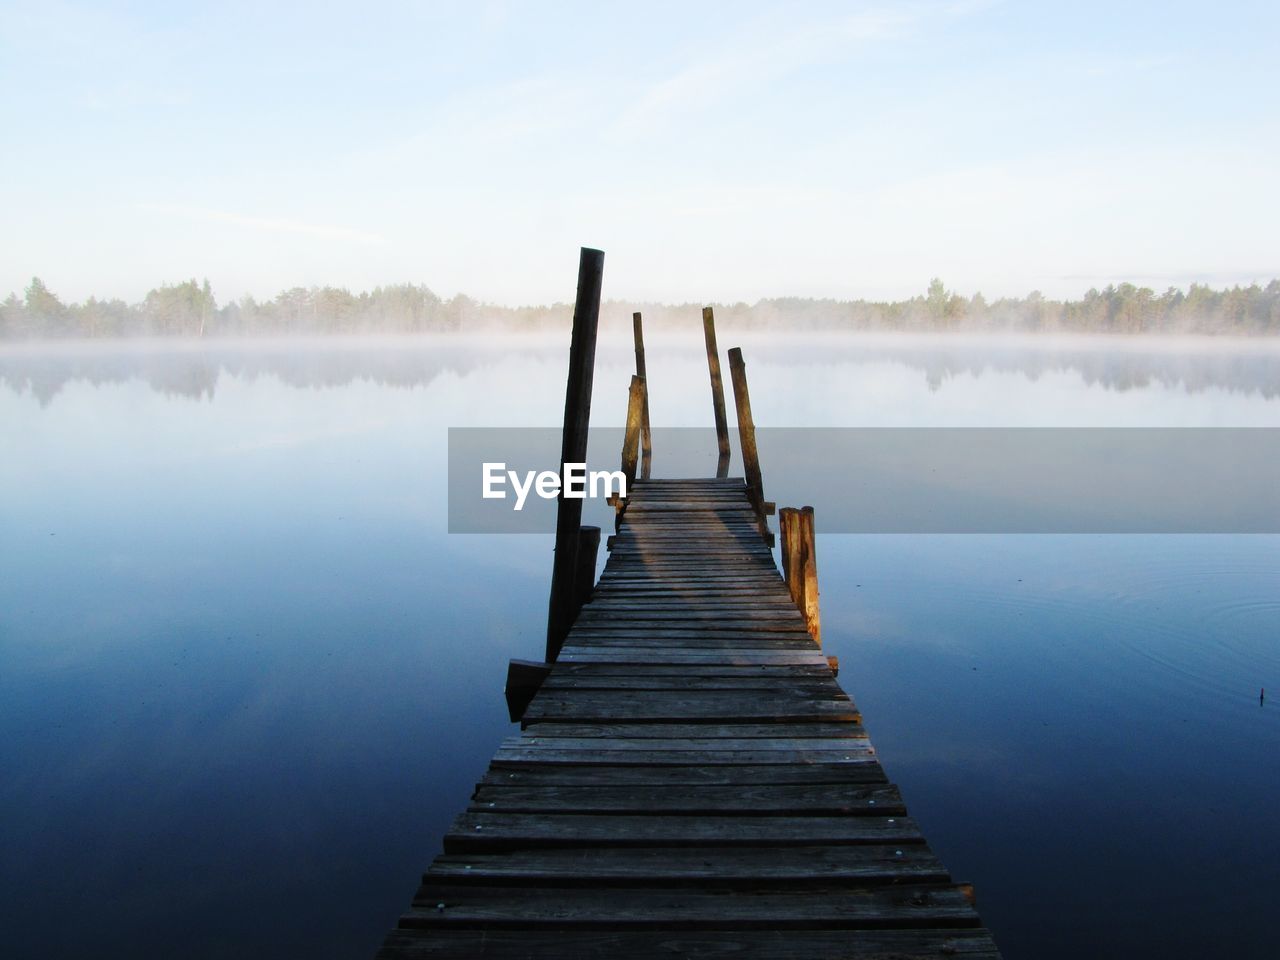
{"x": 735, "y": 496}
{"x": 740, "y": 655}
{"x": 755, "y": 799}
{"x": 748, "y": 774}
{"x": 642, "y": 731}
{"x": 759, "y": 630}
{"x": 750, "y": 866}
{"x": 810, "y": 669}
{"x": 486, "y": 831}
{"x": 610, "y": 606}
{"x": 526, "y": 749}
{"x": 745, "y": 686}
{"x": 709, "y": 656}
{"x": 971, "y": 944}
{"x": 675, "y": 593}
{"x": 691, "y": 639}
{"x": 707, "y": 510}
{"x": 621, "y": 706}
{"x": 508, "y": 756}
{"x": 668, "y": 482}
{"x": 915, "y": 905}
{"x": 641, "y": 622}
{"x": 754, "y": 573}
{"x": 693, "y": 529}
{"x": 762, "y": 579}
{"x": 693, "y": 571}
{"x": 763, "y": 575}
{"x": 727, "y": 561}
{"x": 678, "y": 627}
{"x": 675, "y": 491}
{"x": 764, "y": 585}
{"x": 690, "y": 543}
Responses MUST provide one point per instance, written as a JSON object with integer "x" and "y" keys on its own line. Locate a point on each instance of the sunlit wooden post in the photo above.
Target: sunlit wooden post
{"x": 631, "y": 439}
{"x": 573, "y": 446}
{"x": 800, "y": 564}
{"x": 809, "y": 574}
{"x": 646, "y": 438}
{"x": 717, "y": 391}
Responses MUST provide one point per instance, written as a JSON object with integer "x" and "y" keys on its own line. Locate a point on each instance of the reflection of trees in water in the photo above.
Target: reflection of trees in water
{"x": 1249, "y": 370}
{"x": 194, "y": 373}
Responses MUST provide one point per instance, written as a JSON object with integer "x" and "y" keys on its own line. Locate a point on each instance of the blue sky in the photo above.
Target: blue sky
{"x": 715, "y": 151}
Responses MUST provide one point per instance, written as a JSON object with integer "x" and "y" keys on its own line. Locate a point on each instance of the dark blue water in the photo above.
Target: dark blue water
{"x": 246, "y": 678}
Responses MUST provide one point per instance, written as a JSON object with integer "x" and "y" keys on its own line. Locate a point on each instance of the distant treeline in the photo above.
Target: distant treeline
{"x": 190, "y": 310}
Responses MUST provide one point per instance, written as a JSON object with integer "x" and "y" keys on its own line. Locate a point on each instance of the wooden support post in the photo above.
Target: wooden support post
{"x": 809, "y": 574}
{"x": 717, "y": 391}
{"x": 631, "y": 439}
{"x": 747, "y": 441}
{"x": 573, "y": 445}
{"x": 789, "y": 533}
{"x": 524, "y": 677}
{"x": 800, "y": 564}
{"x": 646, "y": 438}
{"x": 588, "y": 552}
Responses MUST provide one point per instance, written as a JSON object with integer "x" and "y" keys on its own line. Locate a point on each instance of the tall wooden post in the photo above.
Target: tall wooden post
{"x": 747, "y": 441}
{"x": 717, "y": 391}
{"x": 646, "y": 438}
{"x": 573, "y": 446}
{"x": 631, "y": 438}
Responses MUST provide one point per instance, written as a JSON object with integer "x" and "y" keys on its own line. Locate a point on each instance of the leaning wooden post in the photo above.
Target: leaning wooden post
{"x": 631, "y": 439}
{"x": 717, "y": 391}
{"x": 573, "y": 446}
{"x": 809, "y": 574}
{"x": 747, "y": 442}
{"x": 646, "y": 438}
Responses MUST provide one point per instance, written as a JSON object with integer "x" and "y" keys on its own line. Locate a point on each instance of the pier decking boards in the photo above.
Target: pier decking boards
{"x": 690, "y": 780}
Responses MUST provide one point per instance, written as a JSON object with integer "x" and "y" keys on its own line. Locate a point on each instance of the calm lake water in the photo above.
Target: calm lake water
{"x": 247, "y": 678}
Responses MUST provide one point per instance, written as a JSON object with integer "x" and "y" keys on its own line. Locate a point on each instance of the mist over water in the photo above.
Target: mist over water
{"x": 193, "y": 368}
{"x": 247, "y": 679}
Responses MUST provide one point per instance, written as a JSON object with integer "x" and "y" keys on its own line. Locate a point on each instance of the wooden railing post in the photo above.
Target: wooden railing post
{"x": 646, "y": 437}
{"x": 800, "y": 564}
{"x": 747, "y": 442}
{"x": 573, "y": 446}
{"x": 717, "y": 391}
{"x": 631, "y": 439}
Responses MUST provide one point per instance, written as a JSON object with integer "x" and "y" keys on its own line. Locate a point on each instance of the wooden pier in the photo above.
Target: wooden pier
{"x": 690, "y": 779}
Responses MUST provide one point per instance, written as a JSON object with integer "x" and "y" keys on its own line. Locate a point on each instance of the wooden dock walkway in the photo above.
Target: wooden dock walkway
{"x": 690, "y": 780}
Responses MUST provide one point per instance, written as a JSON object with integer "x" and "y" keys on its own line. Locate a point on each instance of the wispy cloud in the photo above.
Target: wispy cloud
{"x": 266, "y": 224}
{"x": 753, "y": 59}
